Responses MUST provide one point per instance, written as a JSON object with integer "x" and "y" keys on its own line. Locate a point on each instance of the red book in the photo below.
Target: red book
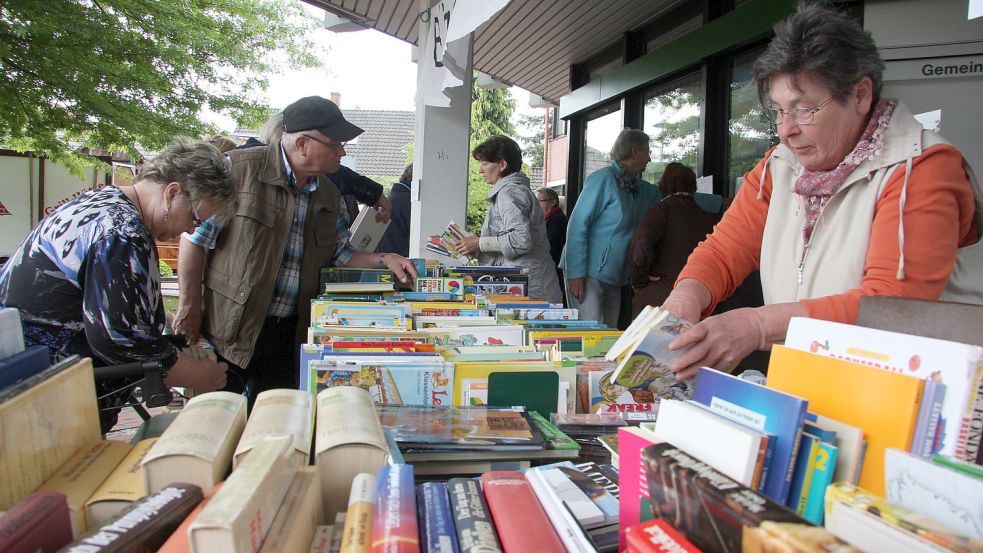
{"x": 39, "y": 523}
{"x": 657, "y": 536}
{"x": 521, "y": 521}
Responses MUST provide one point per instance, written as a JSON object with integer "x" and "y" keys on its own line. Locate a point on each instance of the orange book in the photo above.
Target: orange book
{"x": 178, "y": 542}
{"x": 882, "y": 403}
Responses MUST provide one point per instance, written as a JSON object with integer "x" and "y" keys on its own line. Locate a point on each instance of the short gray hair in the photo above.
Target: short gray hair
{"x": 203, "y": 172}
{"x": 825, "y": 44}
{"x": 551, "y": 196}
{"x": 627, "y": 142}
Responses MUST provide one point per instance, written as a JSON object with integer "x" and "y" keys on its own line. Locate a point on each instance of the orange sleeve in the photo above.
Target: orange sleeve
{"x": 733, "y": 250}
{"x": 938, "y": 218}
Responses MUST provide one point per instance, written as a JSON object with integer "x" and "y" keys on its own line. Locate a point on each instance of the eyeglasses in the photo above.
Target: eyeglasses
{"x": 334, "y": 147}
{"x": 799, "y": 116}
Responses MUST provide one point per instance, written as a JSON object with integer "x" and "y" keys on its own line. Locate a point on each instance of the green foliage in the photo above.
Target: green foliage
{"x": 165, "y": 269}
{"x": 491, "y": 114}
{"x": 114, "y": 73}
{"x": 533, "y": 139}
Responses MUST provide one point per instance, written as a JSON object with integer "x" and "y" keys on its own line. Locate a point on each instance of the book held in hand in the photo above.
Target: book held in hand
{"x": 367, "y": 230}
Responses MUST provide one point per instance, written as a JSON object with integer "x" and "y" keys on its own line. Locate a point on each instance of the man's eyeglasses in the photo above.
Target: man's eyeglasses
{"x": 336, "y": 146}
{"x": 799, "y": 116}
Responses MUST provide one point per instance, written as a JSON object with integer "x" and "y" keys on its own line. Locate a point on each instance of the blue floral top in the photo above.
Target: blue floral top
{"x": 86, "y": 281}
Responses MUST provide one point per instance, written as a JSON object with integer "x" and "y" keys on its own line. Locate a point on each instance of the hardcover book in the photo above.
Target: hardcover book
{"x": 437, "y": 534}
{"x": 452, "y": 427}
{"x": 710, "y": 509}
{"x": 123, "y": 486}
{"x": 143, "y": 526}
{"x": 394, "y": 525}
{"x": 768, "y": 410}
{"x": 197, "y": 447}
{"x": 301, "y": 513}
{"x": 178, "y": 542}
{"x": 39, "y": 523}
{"x": 400, "y": 381}
{"x": 472, "y": 520}
{"x": 634, "y": 505}
{"x": 883, "y": 403}
{"x": 279, "y": 413}
{"x": 520, "y": 519}
{"x": 367, "y": 230}
{"x": 356, "y": 534}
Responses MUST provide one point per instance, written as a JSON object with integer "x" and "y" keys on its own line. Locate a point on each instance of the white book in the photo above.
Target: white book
{"x": 279, "y": 412}
{"x": 560, "y": 516}
{"x": 947, "y": 496}
{"x": 197, "y": 447}
{"x": 871, "y": 533}
{"x": 727, "y": 446}
{"x": 958, "y": 366}
{"x": 366, "y": 231}
{"x": 849, "y": 442}
{"x": 511, "y": 335}
{"x": 240, "y": 514}
{"x": 443, "y": 321}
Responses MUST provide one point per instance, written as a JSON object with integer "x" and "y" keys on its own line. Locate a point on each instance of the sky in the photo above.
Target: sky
{"x": 370, "y": 70}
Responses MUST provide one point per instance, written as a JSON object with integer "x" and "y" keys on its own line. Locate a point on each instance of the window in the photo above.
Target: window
{"x": 673, "y": 119}
{"x": 602, "y": 128}
{"x": 751, "y": 133}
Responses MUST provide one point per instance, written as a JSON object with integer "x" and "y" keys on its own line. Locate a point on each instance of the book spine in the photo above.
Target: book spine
{"x": 39, "y": 522}
{"x": 521, "y": 521}
{"x": 472, "y": 521}
{"x": 803, "y": 473}
{"x": 598, "y": 476}
{"x": 923, "y": 440}
{"x": 974, "y": 439}
{"x": 657, "y": 536}
{"x": 145, "y": 525}
{"x": 394, "y": 526}
{"x": 766, "y": 467}
{"x": 434, "y": 513}
{"x": 822, "y": 476}
{"x": 357, "y": 533}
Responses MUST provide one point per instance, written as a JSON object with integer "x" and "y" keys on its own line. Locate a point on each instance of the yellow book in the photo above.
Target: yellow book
{"x": 82, "y": 475}
{"x": 471, "y": 379}
{"x": 882, "y": 403}
{"x": 44, "y": 420}
{"x": 197, "y": 447}
{"x": 279, "y": 413}
{"x": 348, "y": 441}
{"x": 238, "y": 518}
{"x": 124, "y": 486}
{"x": 298, "y": 517}
{"x": 356, "y": 536}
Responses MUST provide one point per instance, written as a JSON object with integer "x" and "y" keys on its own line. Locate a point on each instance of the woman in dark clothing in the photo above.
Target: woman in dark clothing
{"x": 669, "y": 232}
{"x": 556, "y": 227}
{"x": 397, "y": 236}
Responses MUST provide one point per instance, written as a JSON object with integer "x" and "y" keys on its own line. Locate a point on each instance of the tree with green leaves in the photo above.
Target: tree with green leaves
{"x": 109, "y": 74}
{"x": 533, "y": 143}
{"x": 491, "y": 114}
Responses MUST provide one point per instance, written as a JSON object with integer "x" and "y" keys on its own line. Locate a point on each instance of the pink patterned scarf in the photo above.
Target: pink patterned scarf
{"x": 817, "y": 187}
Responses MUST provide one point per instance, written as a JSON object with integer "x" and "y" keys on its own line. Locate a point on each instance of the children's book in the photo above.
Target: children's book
{"x": 396, "y": 382}
{"x": 476, "y": 335}
{"x": 367, "y": 230}
{"x": 765, "y": 409}
{"x": 471, "y": 380}
{"x": 646, "y": 359}
{"x": 883, "y": 403}
{"x": 850, "y": 445}
{"x": 453, "y": 427}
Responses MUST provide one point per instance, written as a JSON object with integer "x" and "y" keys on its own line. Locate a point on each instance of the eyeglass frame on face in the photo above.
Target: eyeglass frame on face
{"x": 332, "y": 147}
{"x": 776, "y": 114}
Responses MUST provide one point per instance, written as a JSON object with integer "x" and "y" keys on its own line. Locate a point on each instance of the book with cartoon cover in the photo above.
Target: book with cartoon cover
{"x": 456, "y": 427}
{"x": 646, "y": 364}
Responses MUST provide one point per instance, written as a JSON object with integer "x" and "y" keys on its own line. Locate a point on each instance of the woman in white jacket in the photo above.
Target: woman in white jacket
{"x": 514, "y": 232}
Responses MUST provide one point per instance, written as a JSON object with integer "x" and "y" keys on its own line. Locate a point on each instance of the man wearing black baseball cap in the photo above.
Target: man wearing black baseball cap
{"x": 264, "y": 265}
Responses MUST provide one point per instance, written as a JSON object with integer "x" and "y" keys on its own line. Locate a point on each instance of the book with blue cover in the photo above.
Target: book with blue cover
{"x": 437, "y": 534}
{"x": 762, "y": 408}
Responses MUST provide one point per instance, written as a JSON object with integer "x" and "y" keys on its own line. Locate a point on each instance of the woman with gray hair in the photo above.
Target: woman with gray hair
{"x": 86, "y": 280}
{"x": 828, "y": 214}
{"x": 599, "y": 231}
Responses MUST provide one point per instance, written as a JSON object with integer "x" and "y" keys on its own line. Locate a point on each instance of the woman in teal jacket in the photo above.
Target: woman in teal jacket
{"x": 609, "y": 207}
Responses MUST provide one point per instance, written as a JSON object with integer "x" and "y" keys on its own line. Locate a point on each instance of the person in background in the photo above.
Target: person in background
{"x": 556, "y": 226}
{"x": 669, "y": 232}
{"x": 514, "y": 232}
{"x": 858, "y": 199}
{"x": 263, "y": 267}
{"x": 609, "y": 208}
{"x": 87, "y": 282}
{"x": 223, "y": 143}
{"x": 397, "y": 236}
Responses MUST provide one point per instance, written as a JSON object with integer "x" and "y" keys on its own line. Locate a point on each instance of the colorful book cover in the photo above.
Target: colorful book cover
{"x": 471, "y": 379}
{"x": 389, "y": 383}
{"x": 823, "y": 466}
{"x": 344, "y": 274}
{"x": 472, "y": 519}
{"x": 958, "y": 366}
{"x": 460, "y": 427}
{"x": 504, "y": 288}
{"x": 883, "y": 403}
{"x": 593, "y": 343}
{"x": 647, "y": 362}
{"x": 634, "y": 505}
{"x": 603, "y": 475}
{"x": 394, "y": 525}
{"x": 476, "y": 335}
{"x": 710, "y": 509}
{"x": 764, "y": 409}
{"x": 437, "y": 534}
{"x": 951, "y": 497}
{"x": 802, "y": 475}
{"x": 847, "y": 506}
{"x": 850, "y": 443}
{"x": 925, "y": 441}
{"x": 608, "y": 397}
{"x": 657, "y": 536}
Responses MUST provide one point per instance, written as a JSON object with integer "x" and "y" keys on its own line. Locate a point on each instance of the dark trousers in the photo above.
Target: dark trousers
{"x": 274, "y": 361}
